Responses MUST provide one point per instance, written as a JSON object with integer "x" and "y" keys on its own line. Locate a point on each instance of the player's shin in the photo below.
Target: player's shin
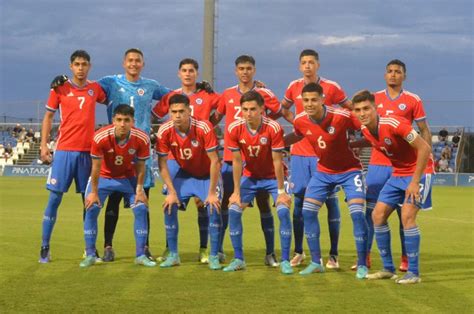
{"x": 140, "y": 227}
{"x": 334, "y": 222}
{"x": 215, "y": 223}
{"x": 171, "y": 226}
{"x": 49, "y": 217}
{"x": 285, "y": 231}
{"x": 382, "y": 236}
{"x": 312, "y": 229}
{"x": 360, "y": 231}
{"x": 298, "y": 226}
{"x": 90, "y": 229}
{"x": 235, "y": 230}
{"x": 412, "y": 243}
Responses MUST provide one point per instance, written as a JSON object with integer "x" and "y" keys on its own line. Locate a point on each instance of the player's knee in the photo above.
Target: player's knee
{"x": 55, "y": 198}
{"x": 140, "y": 210}
{"x": 409, "y": 217}
{"x": 92, "y": 212}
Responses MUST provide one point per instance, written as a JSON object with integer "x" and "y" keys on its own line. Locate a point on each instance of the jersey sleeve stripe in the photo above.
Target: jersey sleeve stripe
{"x": 211, "y": 149}
{"x": 234, "y": 149}
{"x": 161, "y": 154}
{"x": 421, "y": 119}
{"x": 96, "y": 156}
{"x": 278, "y": 149}
{"x": 234, "y": 124}
{"x": 50, "y": 109}
{"x": 164, "y": 127}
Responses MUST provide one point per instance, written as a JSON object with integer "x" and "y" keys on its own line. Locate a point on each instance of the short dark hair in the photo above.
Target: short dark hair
{"x": 179, "y": 99}
{"x": 125, "y": 110}
{"x": 189, "y": 61}
{"x": 313, "y": 88}
{"x": 398, "y": 62}
{"x": 80, "y": 54}
{"x": 362, "y": 96}
{"x": 245, "y": 59}
{"x": 309, "y": 52}
{"x": 134, "y": 50}
{"x": 252, "y": 95}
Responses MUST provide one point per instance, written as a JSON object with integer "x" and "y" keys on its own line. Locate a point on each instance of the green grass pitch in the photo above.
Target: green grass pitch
{"x": 447, "y": 270}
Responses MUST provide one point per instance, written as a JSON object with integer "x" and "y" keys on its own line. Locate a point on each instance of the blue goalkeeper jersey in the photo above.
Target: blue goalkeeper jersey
{"x": 140, "y": 95}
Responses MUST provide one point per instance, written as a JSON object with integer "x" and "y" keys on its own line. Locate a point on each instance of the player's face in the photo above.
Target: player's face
{"x": 365, "y": 111}
{"x": 123, "y": 124}
{"x": 180, "y": 114}
{"x": 133, "y": 64}
{"x": 394, "y": 75}
{"x": 309, "y": 66}
{"x": 188, "y": 74}
{"x": 313, "y": 103}
{"x": 252, "y": 112}
{"x": 245, "y": 72}
{"x": 80, "y": 68}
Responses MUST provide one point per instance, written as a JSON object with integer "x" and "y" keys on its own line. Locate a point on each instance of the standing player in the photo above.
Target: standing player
{"x": 229, "y": 105}
{"x": 259, "y": 139}
{"x": 393, "y": 100}
{"x": 409, "y": 184}
{"x": 76, "y": 101}
{"x": 193, "y": 144}
{"x": 119, "y": 152}
{"x": 202, "y": 103}
{"x": 304, "y": 159}
{"x": 326, "y": 129}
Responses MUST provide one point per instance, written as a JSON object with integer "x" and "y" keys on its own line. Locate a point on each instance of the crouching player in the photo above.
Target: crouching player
{"x": 260, "y": 140}
{"x": 118, "y": 156}
{"x": 193, "y": 144}
{"x": 409, "y": 184}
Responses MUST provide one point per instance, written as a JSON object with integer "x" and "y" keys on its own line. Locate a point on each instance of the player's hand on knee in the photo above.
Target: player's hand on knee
{"x": 91, "y": 199}
{"x": 235, "y": 199}
{"x": 213, "y": 202}
{"x": 59, "y": 81}
{"x": 140, "y": 197}
{"x": 412, "y": 193}
{"x": 284, "y": 199}
{"x": 170, "y": 200}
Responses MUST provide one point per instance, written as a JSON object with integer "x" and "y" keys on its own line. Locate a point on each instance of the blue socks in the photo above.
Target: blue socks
{"x": 90, "y": 229}
{"x": 214, "y": 230}
{"x": 285, "y": 231}
{"x": 235, "y": 230}
{"x": 298, "y": 225}
{"x": 360, "y": 231}
{"x": 268, "y": 228}
{"x": 49, "y": 217}
{"x": 370, "y": 223}
{"x": 382, "y": 235}
{"x": 312, "y": 230}
{"x": 203, "y": 222}
{"x": 172, "y": 227}
{"x": 334, "y": 222}
{"x": 412, "y": 243}
{"x": 140, "y": 227}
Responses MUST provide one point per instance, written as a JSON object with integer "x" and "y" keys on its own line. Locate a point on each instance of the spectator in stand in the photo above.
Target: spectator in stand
{"x": 443, "y": 135}
{"x": 16, "y": 130}
{"x": 443, "y": 165}
{"x": 9, "y": 149}
{"x": 446, "y": 152}
{"x": 456, "y": 138}
{"x": 30, "y": 135}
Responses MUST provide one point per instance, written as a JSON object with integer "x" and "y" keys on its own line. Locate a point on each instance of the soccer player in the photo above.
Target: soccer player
{"x": 119, "y": 152}
{"x": 76, "y": 100}
{"x": 393, "y": 100}
{"x": 304, "y": 159}
{"x": 193, "y": 144}
{"x": 326, "y": 129}
{"x": 258, "y": 139}
{"x": 409, "y": 184}
{"x": 201, "y": 103}
{"x": 229, "y": 105}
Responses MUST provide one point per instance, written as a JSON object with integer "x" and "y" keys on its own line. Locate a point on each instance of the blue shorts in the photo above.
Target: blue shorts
{"x": 227, "y": 177}
{"x": 322, "y": 185}
{"x": 67, "y": 166}
{"x": 173, "y": 168}
{"x": 188, "y": 186}
{"x": 149, "y": 176}
{"x": 250, "y": 186}
{"x": 393, "y": 193}
{"x": 375, "y": 179}
{"x": 108, "y": 186}
{"x": 302, "y": 168}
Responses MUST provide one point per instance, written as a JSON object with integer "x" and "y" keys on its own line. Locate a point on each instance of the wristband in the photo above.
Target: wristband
{"x": 281, "y": 191}
{"x": 139, "y": 187}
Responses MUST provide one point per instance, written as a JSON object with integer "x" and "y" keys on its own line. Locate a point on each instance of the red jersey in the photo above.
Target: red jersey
{"x": 229, "y": 105}
{"x": 334, "y": 95}
{"x": 77, "y": 113}
{"x": 256, "y": 147}
{"x": 329, "y": 139}
{"x": 118, "y": 158}
{"x": 201, "y": 103}
{"x": 190, "y": 149}
{"x": 406, "y": 105}
{"x": 393, "y": 141}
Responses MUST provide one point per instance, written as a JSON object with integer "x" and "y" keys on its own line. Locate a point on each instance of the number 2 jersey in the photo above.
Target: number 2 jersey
{"x": 76, "y": 107}
{"x": 118, "y": 159}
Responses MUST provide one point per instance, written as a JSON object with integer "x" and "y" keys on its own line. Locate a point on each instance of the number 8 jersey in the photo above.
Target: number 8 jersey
{"x": 76, "y": 107}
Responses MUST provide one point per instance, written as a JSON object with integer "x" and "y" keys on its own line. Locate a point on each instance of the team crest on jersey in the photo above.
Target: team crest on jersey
{"x": 331, "y": 130}
{"x": 174, "y": 144}
{"x": 402, "y": 106}
{"x": 194, "y": 143}
{"x": 90, "y": 92}
{"x": 231, "y": 101}
{"x": 388, "y": 141}
{"x": 122, "y": 90}
{"x": 199, "y": 101}
{"x": 263, "y": 140}
{"x": 53, "y": 181}
{"x": 131, "y": 151}
{"x": 140, "y": 91}
{"x": 380, "y": 106}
